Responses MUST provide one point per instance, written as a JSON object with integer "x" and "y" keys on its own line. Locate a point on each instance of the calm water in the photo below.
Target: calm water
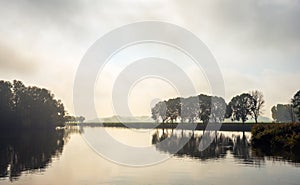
{"x": 64, "y": 157}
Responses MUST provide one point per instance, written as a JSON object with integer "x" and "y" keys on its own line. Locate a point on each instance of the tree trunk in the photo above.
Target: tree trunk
{"x": 243, "y": 125}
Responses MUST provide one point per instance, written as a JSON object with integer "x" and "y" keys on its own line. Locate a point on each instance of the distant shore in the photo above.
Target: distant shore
{"x": 186, "y": 126}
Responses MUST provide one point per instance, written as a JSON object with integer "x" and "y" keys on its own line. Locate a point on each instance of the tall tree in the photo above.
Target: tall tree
{"x": 218, "y": 109}
{"x": 190, "y": 109}
{"x": 19, "y": 94}
{"x": 241, "y": 107}
{"x": 259, "y": 102}
{"x": 283, "y": 113}
{"x": 296, "y": 104}
{"x": 173, "y": 109}
{"x": 29, "y": 107}
{"x": 205, "y": 106}
{"x": 6, "y": 103}
{"x": 159, "y": 111}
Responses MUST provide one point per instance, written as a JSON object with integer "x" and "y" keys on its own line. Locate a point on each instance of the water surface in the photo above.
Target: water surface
{"x": 63, "y": 157}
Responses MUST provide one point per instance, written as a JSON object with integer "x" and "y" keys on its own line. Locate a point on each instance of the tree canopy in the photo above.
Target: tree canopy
{"x": 201, "y": 107}
{"x": 282, "y": 113}
{"x": 296, "y": 104}
{"x": 29, "y": 107}
{"x": 241, "y": 106}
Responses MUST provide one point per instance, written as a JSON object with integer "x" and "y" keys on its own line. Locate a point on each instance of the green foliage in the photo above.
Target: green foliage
{"x": 201, "y": 107}
{"x": 191, "y": 109}
{"x": 282, "y": 113}
{"x": 6, "y": 103}
{"x": 29, "y": 107}
{"x": 218, "y": 109}
{"x": 160, "y": 111}
{"x": 276, "y": 136}
{"x": 205, "y": 108}
{"x": 173, "y": 109}
{"x": 241, "y": 107}
{"x": 73, "y": 119}
{"x": 296, "y": 104}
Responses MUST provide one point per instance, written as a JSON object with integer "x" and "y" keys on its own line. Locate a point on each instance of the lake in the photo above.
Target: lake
{"x": 68, "y": 157}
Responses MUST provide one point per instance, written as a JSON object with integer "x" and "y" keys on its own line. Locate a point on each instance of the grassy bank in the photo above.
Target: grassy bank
{"x": 276, "y": 137}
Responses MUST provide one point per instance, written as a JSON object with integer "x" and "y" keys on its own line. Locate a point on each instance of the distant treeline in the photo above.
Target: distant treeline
{"x": 282, "y": 113}
{"x": 29, "y": 107}
{"x": 214, "y": 109}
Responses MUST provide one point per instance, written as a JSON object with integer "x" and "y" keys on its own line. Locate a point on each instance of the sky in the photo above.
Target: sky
{"x": 256, "y": 44}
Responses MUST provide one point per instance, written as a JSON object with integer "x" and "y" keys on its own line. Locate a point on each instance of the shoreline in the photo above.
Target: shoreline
{"x": 186, "y": 126}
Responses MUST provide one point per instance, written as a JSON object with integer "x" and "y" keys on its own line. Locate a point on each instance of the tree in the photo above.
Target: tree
{"x": 283, "y": 113}
{"x": 70, "y": 119}
{"x": 204, "y": 108}
{"x": 6, "y": 104}
{"x": 28, "y": 107}
{"x": 19, "y": 93}
{"x": 218, "y": 109}
{"x": 80, "y": 119}
{"x": 229, "y": 111}
{"x": 296, "y": 104}
{"x": 173, "y": 109}
{"x": 258, "y": 104}
{"x": 241, "y": 107}
{"x": 190, "y": 109}
{"x": 159, "y": 111}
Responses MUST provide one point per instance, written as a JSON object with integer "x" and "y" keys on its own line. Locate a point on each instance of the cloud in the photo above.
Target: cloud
{"x": 14, "y": 61}
{"x": 255, "y": 23}
{"x": 256, "y": 42}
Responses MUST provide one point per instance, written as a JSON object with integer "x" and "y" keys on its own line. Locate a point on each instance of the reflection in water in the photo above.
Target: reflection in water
{"x": 29, "y": 150}
{"x": 33, "y": 151}
{"x": 278, "y": 155}
{"x": 237, "y": 145}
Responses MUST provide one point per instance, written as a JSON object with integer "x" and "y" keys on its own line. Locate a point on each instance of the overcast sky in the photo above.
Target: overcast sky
{"x": 255, "y": 42}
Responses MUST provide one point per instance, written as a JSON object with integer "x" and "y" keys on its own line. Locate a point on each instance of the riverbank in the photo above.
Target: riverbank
{"x": 276, "y": 137}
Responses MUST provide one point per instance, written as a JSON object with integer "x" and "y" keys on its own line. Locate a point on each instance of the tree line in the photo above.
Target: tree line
{"x": 214, "y": 109}
{"x": 29, "y": 107}
{"x": 282, "y": 113}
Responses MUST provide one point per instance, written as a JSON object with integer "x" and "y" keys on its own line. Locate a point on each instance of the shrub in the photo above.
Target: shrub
{"x": 276, "y": 137}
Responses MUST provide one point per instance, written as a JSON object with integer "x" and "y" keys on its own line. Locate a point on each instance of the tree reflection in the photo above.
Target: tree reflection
{"x": 221, "y": 145}
{"x": 29, "y": 150}
{"x": 278, "y": 155}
